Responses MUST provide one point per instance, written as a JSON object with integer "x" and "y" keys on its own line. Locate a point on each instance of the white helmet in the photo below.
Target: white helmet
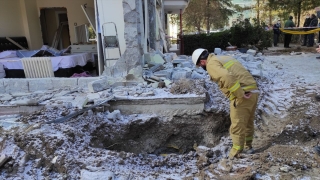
{"x": 196, "y": 55}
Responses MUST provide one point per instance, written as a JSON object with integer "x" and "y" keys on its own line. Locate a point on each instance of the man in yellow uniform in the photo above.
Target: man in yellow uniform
{"x": 240, "y": 87}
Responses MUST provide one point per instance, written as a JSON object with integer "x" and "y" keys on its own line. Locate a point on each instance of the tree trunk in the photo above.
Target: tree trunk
{"x": 299, "y": 13}
{"x": 258, "y": 11}
{"x": 207, "y": 17}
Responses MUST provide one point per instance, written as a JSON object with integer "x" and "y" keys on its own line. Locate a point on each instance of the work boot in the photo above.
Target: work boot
{"x": 234, "y": 154}
{"x": 248, "y": 151}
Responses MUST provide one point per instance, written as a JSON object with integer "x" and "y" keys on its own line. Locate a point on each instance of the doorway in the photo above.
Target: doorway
{"x": 55, "y": 27}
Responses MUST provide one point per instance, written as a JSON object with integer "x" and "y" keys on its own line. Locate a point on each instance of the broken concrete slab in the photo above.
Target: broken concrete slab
{"x": 63, "y": 98}
{"x": 92, "y": 96}
{"x": 64, "y": 82}
{"x": 196, "y": 75}
{"x": 5, "y": 97}
{"x": 83, "y": 81}
{"x": 154, "y": 85}
{"x": 156, "y": 67}
{"x": 25, "y": 102}
{"x": 168, "y": 58}
{"x": 251, "y": 52}
{"x": 187, "y": 64}
{"x": 62, "y": 93}
{"x": 160, "y": 106}
{"x": 36, "y": 84}
{"x": 98, "y": 85}
{"x": 5, "y": 110}
{"x": 176, "y": 75}
{"x": 19, "y": 94}
{"x": 157, "y": 59}
{"x": 3, "y": 159}
{"x": 114, "y": 116}
{"x": 217, "y": 51}
{"x": 58, "y": 105}
{"x": 16, "y": 85}
{"x": 167, "y": 82}
{"x": 160, "y": 53}
{"x": 11, "y": 122}
{"x": 80, "y": 101}
{"x": 2, "y": 90}
{"x": 136, "y": 74}
{"x": 164, "y": 73}
{"x": 147, "y": 58}
{"x": 244, "y": 57}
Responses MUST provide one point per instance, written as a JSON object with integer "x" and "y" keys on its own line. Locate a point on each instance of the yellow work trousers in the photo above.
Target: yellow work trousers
{"x": 242, "y": 113}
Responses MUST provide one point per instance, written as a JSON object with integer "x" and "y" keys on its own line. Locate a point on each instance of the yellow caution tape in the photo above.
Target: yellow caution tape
{"x": 299, "y": 31}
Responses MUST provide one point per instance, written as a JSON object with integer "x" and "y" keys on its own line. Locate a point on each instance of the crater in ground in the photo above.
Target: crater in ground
{"x": 161, "y": 135}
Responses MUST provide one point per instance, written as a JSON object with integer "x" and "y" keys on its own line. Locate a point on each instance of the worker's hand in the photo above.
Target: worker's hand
{"x": 318, "y": 49}
{"x": 247, "y": 95}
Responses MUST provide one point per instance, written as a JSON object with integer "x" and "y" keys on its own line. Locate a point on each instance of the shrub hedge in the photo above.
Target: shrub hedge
{"x": 242, "y": 35}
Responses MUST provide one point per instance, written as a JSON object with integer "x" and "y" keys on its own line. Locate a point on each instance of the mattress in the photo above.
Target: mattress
{"x": 67, "y": 61}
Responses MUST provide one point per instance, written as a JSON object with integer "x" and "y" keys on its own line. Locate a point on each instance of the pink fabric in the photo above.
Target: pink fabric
{"x": 84, "y": 74}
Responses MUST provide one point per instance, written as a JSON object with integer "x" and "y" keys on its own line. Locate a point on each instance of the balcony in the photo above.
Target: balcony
{"x": 174, "y": 6}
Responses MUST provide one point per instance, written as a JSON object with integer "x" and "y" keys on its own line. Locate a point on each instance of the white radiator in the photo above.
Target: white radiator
{"x": 37, "y": 67}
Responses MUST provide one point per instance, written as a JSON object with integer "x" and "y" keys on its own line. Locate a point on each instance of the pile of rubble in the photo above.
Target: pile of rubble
{"x": 86, "y": 146}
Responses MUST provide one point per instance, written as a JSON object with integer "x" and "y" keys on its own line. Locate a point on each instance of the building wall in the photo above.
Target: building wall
{"x": 31, "y": 23}
{"x": 74, "y": 11}
{"x": 112, "y": 11}
{"x": 10, "y": 18}
{"x": 21, "y": 17}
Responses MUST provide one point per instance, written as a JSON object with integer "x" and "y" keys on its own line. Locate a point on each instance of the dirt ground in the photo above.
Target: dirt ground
{"x": 137, "y": 146}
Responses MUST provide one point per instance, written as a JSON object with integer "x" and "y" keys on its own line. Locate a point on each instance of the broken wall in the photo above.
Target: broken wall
{"x": 131, "y": 59}
{"x": 11, "y": 18}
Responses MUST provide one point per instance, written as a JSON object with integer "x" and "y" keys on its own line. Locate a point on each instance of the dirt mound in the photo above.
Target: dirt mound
{"x": 185, "y": 86}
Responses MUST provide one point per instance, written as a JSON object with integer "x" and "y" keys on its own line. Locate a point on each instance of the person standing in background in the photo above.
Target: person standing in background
{"x": 306, "y": 24}
{"x": 287, "y": 37}
{"x": 276, "y": 33}
{"x": 313, "y": 25}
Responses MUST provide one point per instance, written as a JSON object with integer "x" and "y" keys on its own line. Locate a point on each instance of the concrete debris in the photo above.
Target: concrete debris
{"x": 251, "y": 52}
{"x": 285, "y": 169}
{"x": 79, "y": 101}
{"x": 196, "y": 75}
{"x": 160, "y": 53}
{"x": 25, "y": 102}
{"x": 156, "y": 67}
{"x": 19, "y": 94}
{"x": 114, "y": 116}
{"x": 295, "y": 53}
{"x": 177, "y": 75}
{"x": 187, "y": 64}
{"x": 157, "y": 59}
{"x": 93, "y": 96}
{"x": 217, "y": 51}
{"x": 5, "y": 97}
{"x": 4, "y": 159}
{"x": 98, "y": 85}
{"x": 147, "y": 58}
{"x": 167, "y": 82}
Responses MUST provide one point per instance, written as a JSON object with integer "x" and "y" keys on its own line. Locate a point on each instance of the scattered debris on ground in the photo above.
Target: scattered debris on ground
{"x": 106, "y": 143}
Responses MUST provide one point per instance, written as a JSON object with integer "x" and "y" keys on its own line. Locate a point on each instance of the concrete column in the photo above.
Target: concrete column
{"x": 31, "y": 23}
{"x": 152, "y": 24}
{"x": 131, "y": 59}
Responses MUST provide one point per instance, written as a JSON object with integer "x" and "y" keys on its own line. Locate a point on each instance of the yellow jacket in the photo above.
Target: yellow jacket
{"x": 233, "y": 79}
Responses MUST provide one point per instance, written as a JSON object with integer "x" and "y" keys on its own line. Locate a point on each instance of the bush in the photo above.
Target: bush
{"x": 207, "y": 41}
{"x": 242, "y": 35}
